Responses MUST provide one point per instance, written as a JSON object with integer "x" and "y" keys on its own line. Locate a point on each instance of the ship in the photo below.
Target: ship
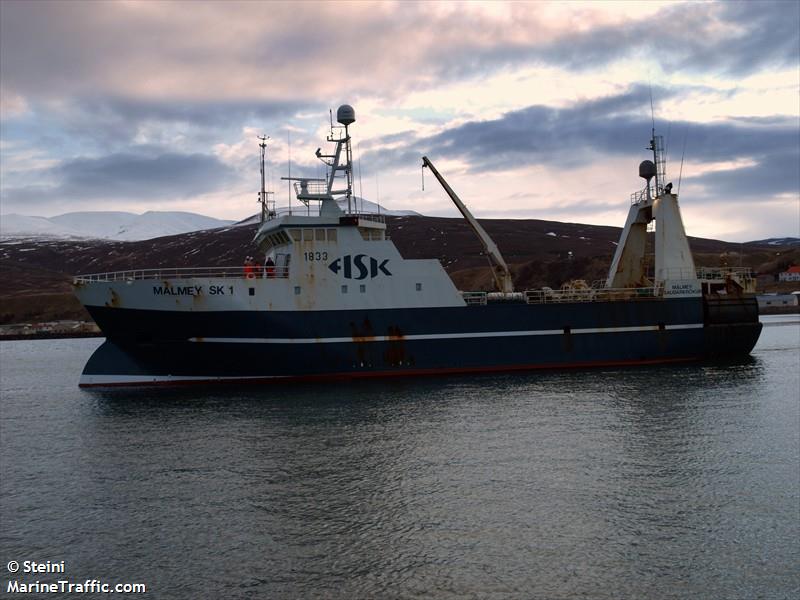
{"x": 333, "y": 299}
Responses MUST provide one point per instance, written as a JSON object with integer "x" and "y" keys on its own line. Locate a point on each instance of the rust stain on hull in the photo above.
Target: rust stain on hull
{"x": 395, "y": 354}
{"x": 362, "y": 336}
{"x": 115, "y": 301}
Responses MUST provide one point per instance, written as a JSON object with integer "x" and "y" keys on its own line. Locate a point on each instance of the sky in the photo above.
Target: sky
{"x": 529, "y": 109}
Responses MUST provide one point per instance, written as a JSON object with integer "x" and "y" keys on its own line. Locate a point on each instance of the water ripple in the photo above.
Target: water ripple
{"x": 665, "y": 482}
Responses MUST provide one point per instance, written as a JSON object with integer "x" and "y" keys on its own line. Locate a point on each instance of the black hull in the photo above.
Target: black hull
{"x": 155, "y": 347}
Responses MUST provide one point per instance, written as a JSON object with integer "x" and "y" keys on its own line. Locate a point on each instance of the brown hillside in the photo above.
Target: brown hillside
{"x": 36, "y": 274}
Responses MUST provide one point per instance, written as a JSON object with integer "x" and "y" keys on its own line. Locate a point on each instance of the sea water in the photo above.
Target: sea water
{"x": 650, "y": 482}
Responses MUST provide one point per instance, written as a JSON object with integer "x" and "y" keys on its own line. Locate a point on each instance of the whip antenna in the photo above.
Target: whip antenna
{"x": 360, "y": 183}
{"x": 289, "y": 143}
{"x": 680, "y": 174}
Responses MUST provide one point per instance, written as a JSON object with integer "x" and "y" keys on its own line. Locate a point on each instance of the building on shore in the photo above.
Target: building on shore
{"x": 790, "y": 274}
{"x": 768, "y": 303}
{"x": 49, "y": 329}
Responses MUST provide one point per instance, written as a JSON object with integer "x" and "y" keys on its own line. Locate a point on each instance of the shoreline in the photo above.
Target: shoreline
{"x": 779, "y": 310}
{"x": 14, "y": 337}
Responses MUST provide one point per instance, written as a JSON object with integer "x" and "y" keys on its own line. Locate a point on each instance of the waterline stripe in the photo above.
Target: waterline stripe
{"x": 438, "y": 336}
{"x": 88, "y": 381}
{"x": 108, "y": 380}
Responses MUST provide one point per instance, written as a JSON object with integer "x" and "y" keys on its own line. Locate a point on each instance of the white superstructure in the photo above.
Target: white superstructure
{"x": 336, "y": 260}
{"x": 674, "y": 273}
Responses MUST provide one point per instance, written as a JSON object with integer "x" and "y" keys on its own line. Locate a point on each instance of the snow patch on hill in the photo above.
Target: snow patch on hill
{"x": 358, "y": 205}
{"x": 366, "y": 206}
{"x": 126, "y": 226}
{"x": 784, "y": 241}
{"x": 13, "y": 225}
{"x": 121, "y": 226}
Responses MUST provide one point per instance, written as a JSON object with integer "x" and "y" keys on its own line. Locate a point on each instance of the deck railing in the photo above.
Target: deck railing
{"x": 311, "y": 188}
{"x": 704, "y": 273}
{"x": 474, "y": 298}
{"x": 637, "y": 197}
{"x": 550, "y": 296}
{"x": 723, "y": 272}
{"x": 377, "y": 218}
{"x": 259, "y": 272}
{"x": 547, "y": 296}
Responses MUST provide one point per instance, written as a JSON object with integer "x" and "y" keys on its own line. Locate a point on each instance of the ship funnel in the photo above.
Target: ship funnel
{"x": 647, "y": 170}
{"x": 345, "y": 114}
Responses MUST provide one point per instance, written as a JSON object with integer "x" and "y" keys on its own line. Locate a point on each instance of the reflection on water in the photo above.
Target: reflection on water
{"x": 662, "y": 482}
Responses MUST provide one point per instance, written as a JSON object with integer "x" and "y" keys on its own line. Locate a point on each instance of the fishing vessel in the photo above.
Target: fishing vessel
{"x": 334, "y": 299}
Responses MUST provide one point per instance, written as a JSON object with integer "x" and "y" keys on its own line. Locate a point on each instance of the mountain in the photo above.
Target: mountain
{"x": 126, "y": 226}
{"x": 13, "y": 225}
{"x": 784, "y": 241}
{"x": 360, "y": 205}
{"x": 363, "y": 205}
{"x": 36, "y": 274}
{"x": 123, "y": 226}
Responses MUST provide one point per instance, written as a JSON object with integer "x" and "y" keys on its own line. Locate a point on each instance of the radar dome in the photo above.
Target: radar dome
{"x": 647, "y": 170}
{"x": 345, "y": 114}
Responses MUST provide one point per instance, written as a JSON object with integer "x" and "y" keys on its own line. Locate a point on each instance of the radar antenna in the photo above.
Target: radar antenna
{"x": 310, "y": 189}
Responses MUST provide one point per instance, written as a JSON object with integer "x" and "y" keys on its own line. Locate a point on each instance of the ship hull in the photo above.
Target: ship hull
{"x": 151, "y": 347}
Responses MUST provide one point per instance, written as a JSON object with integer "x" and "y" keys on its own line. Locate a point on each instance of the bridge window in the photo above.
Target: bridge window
{"x": 319, "y": 235}
{"x": 278, "y": 238}
{"x": 331, "y": 235}
{"x": 371, "y": 235}
{"x": 295, "y": 233}
{"x": 308, "y": 235}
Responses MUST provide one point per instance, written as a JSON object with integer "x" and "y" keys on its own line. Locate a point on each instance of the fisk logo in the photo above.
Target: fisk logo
{"x": 359, "y": 266}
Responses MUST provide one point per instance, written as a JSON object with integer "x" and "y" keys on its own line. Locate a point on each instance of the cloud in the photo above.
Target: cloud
{"x": 776, "y": 174}
{"x": 279, "y": 51}
{"x": 586, "y": 131}
{"x": 106, "y": 124}
{"x": 762, "y": 33}
{"x": 123, "y": 176}
{"x": 212, "y": 113}
{"x": 87, "y": 85}
{"x": 730, "y": 38}
{"x": 587, "y": 145}
{"x": 563, "y": 210}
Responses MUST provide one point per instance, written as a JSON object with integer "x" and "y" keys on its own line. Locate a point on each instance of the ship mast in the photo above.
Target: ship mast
{"x": 310, "y": 189}
{"x": 657, "y": 146}
{"x": 267, "y": 207}
{"x": 345, "y": 116}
